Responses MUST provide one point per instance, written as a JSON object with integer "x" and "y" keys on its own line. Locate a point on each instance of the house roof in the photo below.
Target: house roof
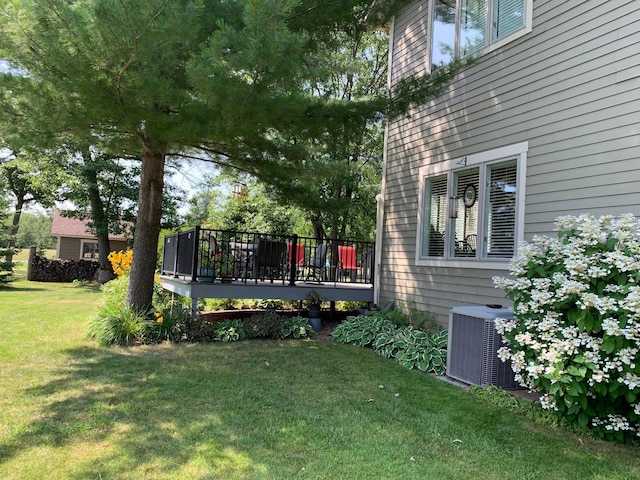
{"x": 77, "y": 228}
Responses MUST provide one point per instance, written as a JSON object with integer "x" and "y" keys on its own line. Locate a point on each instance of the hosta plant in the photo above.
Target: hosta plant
{"x": 295, "y": 327}
{"x": 412, "y": 348}
{"x": 577, "y": 327}
{"x": 230, "y": 331}
{"x": 362, "y": 330}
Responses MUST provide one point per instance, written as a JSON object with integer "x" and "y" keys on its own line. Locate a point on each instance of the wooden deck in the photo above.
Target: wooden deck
{"x": 328, "y": 291}
{"x": 265, "y": 266}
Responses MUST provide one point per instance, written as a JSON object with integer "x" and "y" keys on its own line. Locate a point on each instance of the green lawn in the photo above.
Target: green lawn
{"x": 251, "y": 410}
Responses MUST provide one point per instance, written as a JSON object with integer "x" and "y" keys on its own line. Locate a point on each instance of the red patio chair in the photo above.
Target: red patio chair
{"x": 299, "y": 253}
{"x": 347, "y": 261}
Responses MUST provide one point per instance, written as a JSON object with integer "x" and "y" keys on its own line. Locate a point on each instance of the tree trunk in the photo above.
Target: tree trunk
{"x": 15, "y": 225}
{"x": 147, "y": 230}
{"x": 99, "y": 218}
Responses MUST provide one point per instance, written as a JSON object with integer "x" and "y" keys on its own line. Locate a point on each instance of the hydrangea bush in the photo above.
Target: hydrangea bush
{"x": 577, "y": 327}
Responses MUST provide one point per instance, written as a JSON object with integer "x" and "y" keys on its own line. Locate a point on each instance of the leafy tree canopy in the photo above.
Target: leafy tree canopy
{"x": 154, "y": 77}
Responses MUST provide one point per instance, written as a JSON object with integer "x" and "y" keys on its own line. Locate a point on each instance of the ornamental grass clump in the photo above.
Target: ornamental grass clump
{"x": 577, "y": 327}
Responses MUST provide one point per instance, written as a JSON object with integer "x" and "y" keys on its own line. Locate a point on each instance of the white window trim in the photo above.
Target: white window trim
{"x": 519, "y": 151}
{"x": 527, "y": 28}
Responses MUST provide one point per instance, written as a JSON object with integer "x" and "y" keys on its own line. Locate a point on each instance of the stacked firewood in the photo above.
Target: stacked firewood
{"x": 45, "y": 270}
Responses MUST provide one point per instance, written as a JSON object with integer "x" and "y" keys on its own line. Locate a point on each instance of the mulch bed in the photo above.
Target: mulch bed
{"x": 329, "y": 320}
{"x": 328, "y": 326}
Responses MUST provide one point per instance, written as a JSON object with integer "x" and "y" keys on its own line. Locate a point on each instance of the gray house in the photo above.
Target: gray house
{"x": 545, "y": 123}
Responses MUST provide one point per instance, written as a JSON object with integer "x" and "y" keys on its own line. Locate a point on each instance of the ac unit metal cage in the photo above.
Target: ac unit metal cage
{"x": 472, "y": 347}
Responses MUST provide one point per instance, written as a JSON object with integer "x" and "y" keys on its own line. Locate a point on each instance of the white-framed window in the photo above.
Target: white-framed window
{"x": 465, "y": 27}
{"x": 89, "y": 250}
{"x": 471, "y": 209}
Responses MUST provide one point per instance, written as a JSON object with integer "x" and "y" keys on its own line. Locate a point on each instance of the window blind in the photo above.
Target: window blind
{"x": 473, "y": 25}
{"x": 435, "y": 216}
{"x": 465, "y": 224}
{"x": 508, "y": 15}
{"x": 501, "y": 209}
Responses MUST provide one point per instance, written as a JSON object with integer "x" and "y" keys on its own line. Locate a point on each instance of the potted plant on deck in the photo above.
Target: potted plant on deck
{"x": 225, "y": 264}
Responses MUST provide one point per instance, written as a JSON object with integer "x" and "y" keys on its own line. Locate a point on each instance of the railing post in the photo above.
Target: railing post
{"x": 294, "y": 260}
{"x": 175, "y": 256}
{"x": 196, "y": 248}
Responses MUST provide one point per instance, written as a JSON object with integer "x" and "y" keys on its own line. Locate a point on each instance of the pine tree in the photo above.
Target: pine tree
{"x": 167, "y": 78}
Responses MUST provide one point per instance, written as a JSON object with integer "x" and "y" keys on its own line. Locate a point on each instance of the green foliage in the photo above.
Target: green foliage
{"x": 270, "y": 304}
{"x": 521, "y": 406}
{"x": 263, "y": 325}
{"x": 362, "y": 330}
{"x": 35, "y": 229}
{"x": 295, "y": 327}
{"x": 230, "y": 331}
{"x": 389, "y": 336}
{"x": 117, "y": 323}
{"x": 577, "y": 328}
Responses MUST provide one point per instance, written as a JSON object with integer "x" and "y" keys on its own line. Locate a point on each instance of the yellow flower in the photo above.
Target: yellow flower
{"x": 160, "y": 320}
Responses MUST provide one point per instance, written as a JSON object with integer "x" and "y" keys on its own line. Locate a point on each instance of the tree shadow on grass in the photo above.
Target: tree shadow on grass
{"x": 169, "y": 410}
{"x": 10, "y": 288}
{"x": 235, "y": 411}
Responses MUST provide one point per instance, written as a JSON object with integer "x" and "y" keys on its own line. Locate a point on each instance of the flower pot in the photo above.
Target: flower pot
{"x": 206, "y": 274}
{"x": 314, "y": 317}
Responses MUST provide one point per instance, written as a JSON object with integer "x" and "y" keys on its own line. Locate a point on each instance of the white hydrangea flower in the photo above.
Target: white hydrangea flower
{"x": 548, "y": 402}
{"x": 611, "y": 327}
{"x": 631, "y": 381}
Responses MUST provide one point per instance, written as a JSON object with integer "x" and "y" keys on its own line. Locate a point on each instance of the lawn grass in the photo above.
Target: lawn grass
{"x": 70, "y": 409}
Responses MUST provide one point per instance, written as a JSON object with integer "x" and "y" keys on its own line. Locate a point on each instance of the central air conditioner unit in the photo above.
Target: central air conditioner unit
{"x": 473, "y": 344}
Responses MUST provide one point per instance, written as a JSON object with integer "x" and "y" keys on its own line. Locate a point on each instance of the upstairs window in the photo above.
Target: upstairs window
{"x": 471, "y": 209}
{"x": 464, "y": 27}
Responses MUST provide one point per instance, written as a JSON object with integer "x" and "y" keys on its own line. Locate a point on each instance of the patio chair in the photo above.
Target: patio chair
{"x": 316, "y": 269}
{"x": 367, "y": 266}
{"x": 299, "y": 254}
{"x": 347, "y": 262}
{"x": 270, "y": 260}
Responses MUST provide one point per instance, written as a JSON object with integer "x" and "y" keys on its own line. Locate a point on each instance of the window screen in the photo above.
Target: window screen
{"x": 434, "y": 216}
{"x": 473, "y": 25}
{"x": 501, "y": 209}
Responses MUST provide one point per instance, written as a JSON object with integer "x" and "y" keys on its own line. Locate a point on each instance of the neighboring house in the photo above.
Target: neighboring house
{"x": 545, "y": 123}
{"x": 75, "y": 240}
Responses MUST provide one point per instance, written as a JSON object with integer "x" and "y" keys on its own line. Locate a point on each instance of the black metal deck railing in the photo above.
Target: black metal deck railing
{"x": 205, "y": 255}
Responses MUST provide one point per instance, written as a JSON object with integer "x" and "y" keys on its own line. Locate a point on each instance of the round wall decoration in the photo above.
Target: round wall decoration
{"x": 469, "y": 196}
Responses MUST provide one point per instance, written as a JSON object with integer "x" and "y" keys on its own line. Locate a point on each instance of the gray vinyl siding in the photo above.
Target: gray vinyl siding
{"x": 570, "y": 87}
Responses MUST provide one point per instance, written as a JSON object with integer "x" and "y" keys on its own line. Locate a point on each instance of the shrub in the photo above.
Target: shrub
{"x": 362, "y": 330}
{"x": 412, "y": 348}
{"x": 263, "y": 325}
{"x": 295, "y": 327}
{"x": 230, "y": 331}
{"x": 575, "y": 337}
{"x": 270, "y": 304}
{"x": 117, "y": 324}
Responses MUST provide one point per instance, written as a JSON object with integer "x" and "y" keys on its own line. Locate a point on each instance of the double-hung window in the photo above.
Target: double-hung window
{"x": 465, "y": 27}
{"x": 89, "y": 250}
{"x": 471, "y": 209}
